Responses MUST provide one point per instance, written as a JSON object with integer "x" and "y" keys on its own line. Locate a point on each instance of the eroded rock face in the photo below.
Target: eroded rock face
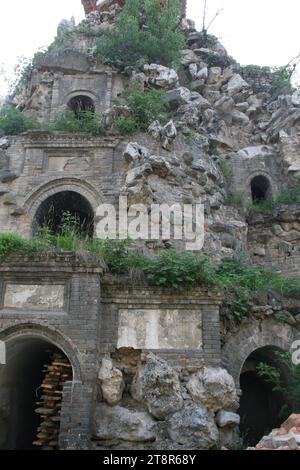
{"x": 117, "y": 422}
{"x": 193, "y": 425}
{"x": 135, "y": 153}
{"x": 111, "y": 382}
{"x": 4, "y": 143}
{"x": 157, "y": 385}
{"x": 214, "y": 388}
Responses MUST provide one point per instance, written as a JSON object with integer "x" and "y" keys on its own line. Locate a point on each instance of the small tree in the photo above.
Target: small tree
{"x": 146, "y": 106}
{"x": 13, "y": 121}
{"x": 144, "y": 30}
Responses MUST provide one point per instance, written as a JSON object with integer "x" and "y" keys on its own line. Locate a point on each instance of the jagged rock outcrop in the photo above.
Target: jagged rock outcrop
{"x": 193, "y": 426}
{"x": 157, "y": 385}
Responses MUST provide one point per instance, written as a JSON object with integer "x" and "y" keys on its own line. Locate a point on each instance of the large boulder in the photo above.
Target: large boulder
{"x": 161, "y": 76}
{"x": 236, "y": 84}
{"x": 168, "y": 134}
{"x": 111, "y": 382}
{"x": 214, "y": 388}
{"x": 137, "y": 173}
{"x": 225, "y": 105}
{"x": 193, "y": 426}
{"x": 135, "y": 153}
{"x": 121, "y": 423}
{"x": 159, "y": 165}
{"x": 157, "y": 385}
{"x": 178, "y": 96}
{"x": 188, "y": 57}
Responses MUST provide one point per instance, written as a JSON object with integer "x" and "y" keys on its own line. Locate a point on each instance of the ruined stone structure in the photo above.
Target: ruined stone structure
{"x": 152, "y": 368}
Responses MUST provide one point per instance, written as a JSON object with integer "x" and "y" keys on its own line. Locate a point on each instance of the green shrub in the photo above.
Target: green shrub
{"x": 281, "y": 81}
{"x": 265, "y": 206}
{"x": 115, "y": 253}
{"x": 225, "y": 167}
{"x": 14, "y": 122}
{"x": 255, "y": 71}
{"x": 240, "y": 280}
{"x": 291, "y": 195}
{"x": 235, "y": 199}
{"x": 170, "y": 268}
{"x": 10, "y": 242}
{"x": 125, "y": 125}
{"x": 85, "y": 121}
{"x": 13, "y": 243}
{"x": 144, "y": 30}
{"x": 167, "y": 268}
{"x": 146, "y": 106}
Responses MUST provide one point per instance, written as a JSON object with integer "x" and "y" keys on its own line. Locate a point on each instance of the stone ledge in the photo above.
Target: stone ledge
{"x": 38, "y": 139}
{"x": 58, "y": 262}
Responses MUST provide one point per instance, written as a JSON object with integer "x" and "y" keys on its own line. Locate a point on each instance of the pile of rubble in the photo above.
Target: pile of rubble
{"x": 287, "y": 437}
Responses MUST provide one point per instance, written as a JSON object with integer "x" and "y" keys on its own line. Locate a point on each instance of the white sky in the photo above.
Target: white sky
{"x": 263, "y": 32}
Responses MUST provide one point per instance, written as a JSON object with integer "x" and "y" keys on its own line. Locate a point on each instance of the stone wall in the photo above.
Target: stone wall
{"x": 194, "y": 316}
{"x": 44, "y": 164}
{"x": 247, "y": 163}
{"x": 273, "y": 239}
{"x": 122, "y": 343}
{"x": 70, "y": 322}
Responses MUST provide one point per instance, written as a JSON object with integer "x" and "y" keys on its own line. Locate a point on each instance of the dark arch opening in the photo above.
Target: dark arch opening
{"x": 81, "y": 104}
{"x": 260, "y": 189}
{"x": 259, "y": 405}
{"x": 65, "y": 207}
{"x": 29, "y": 382}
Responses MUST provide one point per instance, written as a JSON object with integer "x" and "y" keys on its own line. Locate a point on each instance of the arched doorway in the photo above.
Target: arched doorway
{"x": 64, "y": 206}
{"x": 31, "y": 390}
{"x": 81, "y": 104}
{"x": 260, "y": 189}
{"x": 259, "y": 404}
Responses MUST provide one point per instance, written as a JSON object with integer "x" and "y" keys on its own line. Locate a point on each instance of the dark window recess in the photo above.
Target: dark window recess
{"x": 29, "y": 417}
{"x": 260, "y": 189}
{"x": 62, "y": 207}
{"x": 81, "y": 104}
{"x": 259, "y": 405}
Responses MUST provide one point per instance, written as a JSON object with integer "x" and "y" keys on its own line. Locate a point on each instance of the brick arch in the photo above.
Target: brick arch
{"x": 33, "y": 330}
{"x": 265, "y": 174}
{"x": 64, "y": 184}
{"x": 80, "y": 92}
{"x": 253, "y": 335}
